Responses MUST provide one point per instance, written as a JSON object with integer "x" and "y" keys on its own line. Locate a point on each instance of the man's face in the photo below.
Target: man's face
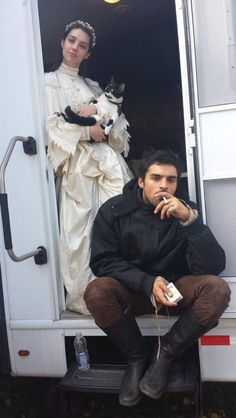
{"x": 159, "y": 178}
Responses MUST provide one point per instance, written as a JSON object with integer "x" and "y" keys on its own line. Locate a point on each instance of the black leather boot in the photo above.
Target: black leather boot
{"x": 127, "y": 336}
{"x": 181, "y": 336}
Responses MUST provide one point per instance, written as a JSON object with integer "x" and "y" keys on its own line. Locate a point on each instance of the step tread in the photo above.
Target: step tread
{"x": 105, "y": 378}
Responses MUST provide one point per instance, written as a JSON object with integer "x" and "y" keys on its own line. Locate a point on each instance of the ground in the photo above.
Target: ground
{"x": 40, "y": 398}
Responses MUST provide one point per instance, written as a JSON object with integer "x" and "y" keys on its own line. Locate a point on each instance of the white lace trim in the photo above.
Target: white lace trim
{"x": 70, "y": 71}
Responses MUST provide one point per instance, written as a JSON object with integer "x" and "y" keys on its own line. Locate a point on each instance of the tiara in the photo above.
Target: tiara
{"x": 85, "y": 25}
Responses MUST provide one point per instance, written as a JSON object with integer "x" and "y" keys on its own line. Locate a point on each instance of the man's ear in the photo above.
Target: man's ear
{"x": 140, "y": 182}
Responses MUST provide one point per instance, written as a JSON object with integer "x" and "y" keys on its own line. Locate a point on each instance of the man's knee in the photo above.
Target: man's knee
{"x": 219, "y": 286}
{"x": 213, "y": 299}
{"x": 218, "y": 289}
{"x": 102, "y": 292}
{"x": 102, "y": 297}
{"x": 97, "y": 290}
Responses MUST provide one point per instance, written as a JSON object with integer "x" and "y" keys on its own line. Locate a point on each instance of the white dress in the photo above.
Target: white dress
{"x": 91, "y": 173}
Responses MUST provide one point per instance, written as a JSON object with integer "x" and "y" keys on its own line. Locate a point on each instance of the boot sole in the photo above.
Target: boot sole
{"x": 131, "y": 403}
{"x": 153, "y": 395}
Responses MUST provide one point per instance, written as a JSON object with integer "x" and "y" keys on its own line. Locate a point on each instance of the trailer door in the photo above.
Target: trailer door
{"x": 207, "y": 40}
{"x": 32, "y": 292}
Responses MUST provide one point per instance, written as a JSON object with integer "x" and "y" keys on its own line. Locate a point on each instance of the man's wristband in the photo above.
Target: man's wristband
{"x": 193, "y": 214}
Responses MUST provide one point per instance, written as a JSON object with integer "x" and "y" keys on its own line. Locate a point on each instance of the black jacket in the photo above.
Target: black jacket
{"x": 132, "y": 244}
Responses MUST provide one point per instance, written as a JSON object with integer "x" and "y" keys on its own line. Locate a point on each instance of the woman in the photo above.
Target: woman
{"x": 90, "y": 171}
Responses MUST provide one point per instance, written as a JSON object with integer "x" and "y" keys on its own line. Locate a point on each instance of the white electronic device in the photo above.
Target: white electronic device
{"x": 176, "y": 295}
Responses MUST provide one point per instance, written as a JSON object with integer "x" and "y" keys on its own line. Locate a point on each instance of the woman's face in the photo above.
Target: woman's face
{"x": 75, "y": 48}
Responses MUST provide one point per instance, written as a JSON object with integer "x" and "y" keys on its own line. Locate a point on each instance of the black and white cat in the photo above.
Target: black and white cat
{"x": 109, "y": 105}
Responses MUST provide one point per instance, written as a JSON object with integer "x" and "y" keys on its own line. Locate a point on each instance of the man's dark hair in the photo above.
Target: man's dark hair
{"x": 159, "y": 157}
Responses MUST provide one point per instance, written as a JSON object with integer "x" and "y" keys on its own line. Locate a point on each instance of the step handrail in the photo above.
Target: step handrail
{"x": 40, "y": 254}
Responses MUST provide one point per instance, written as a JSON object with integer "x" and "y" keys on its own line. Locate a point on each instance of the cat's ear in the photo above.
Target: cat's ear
{"x": 121, "y": 88}
{"x": 112, "y": 80}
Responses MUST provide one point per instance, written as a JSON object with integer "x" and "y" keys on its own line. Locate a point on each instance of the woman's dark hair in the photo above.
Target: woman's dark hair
{"x": 159, "y": 157}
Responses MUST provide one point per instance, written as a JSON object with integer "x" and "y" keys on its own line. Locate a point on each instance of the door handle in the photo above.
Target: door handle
{"x": 29, "y": 147}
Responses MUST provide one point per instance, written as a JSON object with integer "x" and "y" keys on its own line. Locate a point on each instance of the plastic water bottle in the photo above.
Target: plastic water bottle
{"x": 81, "y": 352}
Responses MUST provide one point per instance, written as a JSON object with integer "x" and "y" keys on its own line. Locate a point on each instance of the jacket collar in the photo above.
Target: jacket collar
{"x": 132, "y": 199}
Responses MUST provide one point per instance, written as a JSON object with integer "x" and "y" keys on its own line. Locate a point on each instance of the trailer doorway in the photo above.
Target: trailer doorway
{"x": 137, "y": 42}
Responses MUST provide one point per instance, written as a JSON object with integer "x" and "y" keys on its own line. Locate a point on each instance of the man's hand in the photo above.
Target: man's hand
{"x": 159, "y": 288}
{"x": 171, "y": 206}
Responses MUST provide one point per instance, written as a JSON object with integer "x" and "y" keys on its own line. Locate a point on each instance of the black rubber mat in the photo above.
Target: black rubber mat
{"x": 106, "y": 378}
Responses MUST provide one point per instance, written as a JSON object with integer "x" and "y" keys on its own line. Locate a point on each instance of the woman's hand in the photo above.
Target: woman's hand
{"x": 97, "y": 133}
{"x": 87, "y": 110}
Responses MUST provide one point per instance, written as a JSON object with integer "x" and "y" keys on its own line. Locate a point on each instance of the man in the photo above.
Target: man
{"x": 143, "y": 239}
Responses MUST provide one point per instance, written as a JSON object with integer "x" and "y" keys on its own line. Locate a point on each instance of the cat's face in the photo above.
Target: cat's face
{"x": 114, "y": 92}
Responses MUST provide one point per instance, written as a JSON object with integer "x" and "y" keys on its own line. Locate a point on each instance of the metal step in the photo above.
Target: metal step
{"x": 106, "y": 378}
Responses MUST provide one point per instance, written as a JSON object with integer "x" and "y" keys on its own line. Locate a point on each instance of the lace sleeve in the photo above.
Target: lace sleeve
{"x": 119, "y": 137}
{"x": 63, "y": 138}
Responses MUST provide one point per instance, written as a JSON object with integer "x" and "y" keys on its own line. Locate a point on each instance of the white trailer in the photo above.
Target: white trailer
{"x": 35, "y": 325}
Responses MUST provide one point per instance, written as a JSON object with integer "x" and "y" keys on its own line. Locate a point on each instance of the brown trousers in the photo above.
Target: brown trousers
{"x": 107, "y": 298}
